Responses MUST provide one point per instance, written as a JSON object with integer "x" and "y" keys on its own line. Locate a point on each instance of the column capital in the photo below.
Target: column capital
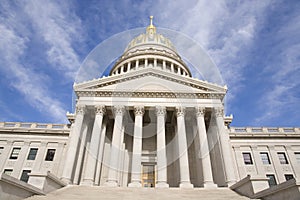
{"x": 160, "y": 110}
{"x": 80, "y": 109}
{"x": 180, "y": 111}
{"x": 200, "y": 111}
{"x": 219, "y": 111}
{"x": 100, "y": 110}
{"x": 119, "y": 110}
{"x": 139, "y": 110}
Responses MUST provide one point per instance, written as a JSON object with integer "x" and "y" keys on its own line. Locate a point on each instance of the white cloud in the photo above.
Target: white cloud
{"x": 27, "y": 82}
{"x": 225, "y": 29}
{"x": 282, "y": 97}
{"x": 60, "y": 28}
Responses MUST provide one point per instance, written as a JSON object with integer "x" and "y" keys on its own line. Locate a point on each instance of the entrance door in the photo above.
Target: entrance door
{"x": 148, "y": 177}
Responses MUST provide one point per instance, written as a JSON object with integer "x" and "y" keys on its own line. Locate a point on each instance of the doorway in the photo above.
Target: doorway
{"x": 148, "y": 176}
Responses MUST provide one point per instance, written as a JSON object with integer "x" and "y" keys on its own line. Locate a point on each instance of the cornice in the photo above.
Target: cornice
{"x": 111, "y": 80}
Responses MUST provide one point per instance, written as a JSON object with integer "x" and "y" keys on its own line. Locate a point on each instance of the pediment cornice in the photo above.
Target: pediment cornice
{"x": 96, "y": 87}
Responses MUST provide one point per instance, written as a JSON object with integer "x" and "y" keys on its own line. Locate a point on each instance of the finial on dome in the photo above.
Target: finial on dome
{"x": 151, "y": 29}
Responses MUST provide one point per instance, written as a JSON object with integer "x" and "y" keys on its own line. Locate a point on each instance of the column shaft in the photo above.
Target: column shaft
{"x": 100, "y": 153}
{"x": 204, "y": 150}
{"x": 183, "y": 150}
{"x": 225, "y": 146}
{"x": 136, "y": 167}
{"x": 136, "y": 64}
{"x": 112, "y": 179}
{"x": 92, "y": 153}
{"x": 73, "y": 144}
{"x": 161, "y": 181}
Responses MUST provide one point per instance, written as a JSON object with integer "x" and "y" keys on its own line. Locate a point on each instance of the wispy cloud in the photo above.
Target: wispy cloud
{"x": 282, "y": 97}
{"x": 20, "y": 26}
{"x": 225, "y": 29}
{"x": 22, "y": 78}
{"x": 60, "y": 28}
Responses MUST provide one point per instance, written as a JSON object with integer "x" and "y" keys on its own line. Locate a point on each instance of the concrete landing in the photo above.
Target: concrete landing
{"x": 106, "y": 193}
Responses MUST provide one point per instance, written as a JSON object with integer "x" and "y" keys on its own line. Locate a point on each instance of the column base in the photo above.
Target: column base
{"x": 186, "y": 185}
{"x": 87, "y": 182}
{"x": 135, "y": 184}
{"x": 161, "y": 185}
{"x": 111, "y": 184}
{"x": 210, "y": 185}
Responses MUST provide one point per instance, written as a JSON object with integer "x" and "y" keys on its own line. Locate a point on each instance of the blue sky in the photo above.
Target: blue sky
{"x": 255, "y": 44}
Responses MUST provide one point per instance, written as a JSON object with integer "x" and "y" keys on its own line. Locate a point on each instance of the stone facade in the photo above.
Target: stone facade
{"x": 149, "y": 124}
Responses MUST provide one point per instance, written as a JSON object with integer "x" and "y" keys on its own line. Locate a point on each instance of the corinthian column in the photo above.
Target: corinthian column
{"x": 204, "y": 150}
{"x": 183, "y": 150}
{"x": 225, "y": 146}
{"x": 136, "y": 167}
{"x": 73, "y": 144}
{"x": 161, "y": 181}
{"x": 112, "y": 179}
{"x": 92, "y": 153}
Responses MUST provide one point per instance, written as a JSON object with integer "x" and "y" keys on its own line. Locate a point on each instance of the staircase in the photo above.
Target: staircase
{"x": 107, "y": 193}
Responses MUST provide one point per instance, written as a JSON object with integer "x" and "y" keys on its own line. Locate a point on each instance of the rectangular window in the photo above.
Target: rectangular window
{"x": 265, "y": 158}
{"x": 50, "y": 155}
{"x": 288, "y": 176}
{"x": 247, "y": 158}
{"x": 15, "y": 153}
{"x": 24, "y": 176}
{"x": 32, "y": 153}
{"x": 8, "y": 171}
{"x": 272, "y": 181}
{"x": 282, "y": 158}
{"x": 297, "y": 155}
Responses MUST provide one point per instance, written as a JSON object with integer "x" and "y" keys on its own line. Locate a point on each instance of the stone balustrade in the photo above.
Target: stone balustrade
{"x": 31, "y": 127}
{"x": 264, "y": 130}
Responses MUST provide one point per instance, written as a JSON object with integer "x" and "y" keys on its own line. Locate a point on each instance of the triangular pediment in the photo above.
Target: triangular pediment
{"x": 149, "y": 80}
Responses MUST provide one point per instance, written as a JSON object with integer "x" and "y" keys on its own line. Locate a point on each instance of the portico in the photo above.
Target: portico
{"x": 149, "y": 124}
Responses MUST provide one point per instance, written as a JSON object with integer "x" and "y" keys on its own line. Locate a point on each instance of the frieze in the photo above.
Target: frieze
{"x": 268, "y": 168}
{"x": 151, "y": 94}
{"x": 11, "y": 163}
{"x": 28, "y": 164}
{"x": 286, "y": 168}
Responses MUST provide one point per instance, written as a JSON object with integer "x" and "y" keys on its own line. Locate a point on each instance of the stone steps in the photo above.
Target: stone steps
{"x": 107, "y": 193}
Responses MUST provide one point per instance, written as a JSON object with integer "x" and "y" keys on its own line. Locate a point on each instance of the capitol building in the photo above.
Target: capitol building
{"x": 148, "y": 127}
